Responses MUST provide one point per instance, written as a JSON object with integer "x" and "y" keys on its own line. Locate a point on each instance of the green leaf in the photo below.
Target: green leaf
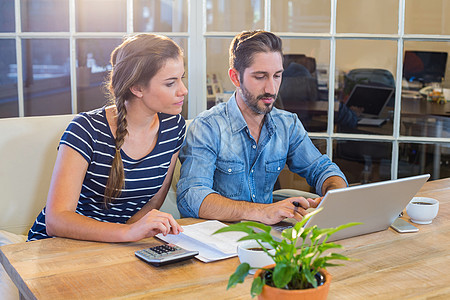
{"x": 326, "y": 246}
{"x": 334, "y": 230}
{"x": 282, "y": 274}
{"x": 322, "y": 262}
{"x": 319, "y": 263}
{"x": 310, "y": 277}
{"x": 293, "y": 233}
{"x": 337, "y": 256}
{"x": 320, "y": 233}
{"x": 326, "y": 265}
{"x": 309, "y": 215}
{"x": 257, "y": 286}
{"x": 239, "y": 275}
{"x": 261, "y": 236}
{"x": 285, "y": 250}
{"x": 247, "y": 226}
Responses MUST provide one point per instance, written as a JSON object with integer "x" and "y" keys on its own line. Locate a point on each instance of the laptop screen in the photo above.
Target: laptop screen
{"x": 372, "y": 99}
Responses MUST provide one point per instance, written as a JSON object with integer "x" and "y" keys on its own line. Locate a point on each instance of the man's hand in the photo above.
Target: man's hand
{"x": 314, "y": 202}
{"x": 216, "y": 207}
{"x": 295, "y": 207}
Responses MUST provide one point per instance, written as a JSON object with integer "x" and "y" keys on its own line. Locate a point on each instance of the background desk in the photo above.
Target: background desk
{"x": 419, "y": 118}
{"x": 391, "y": 266}
{"x": 409, "y": 107}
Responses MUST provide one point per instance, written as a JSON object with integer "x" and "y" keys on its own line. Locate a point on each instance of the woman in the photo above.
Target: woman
{"x": 115, "y": 164}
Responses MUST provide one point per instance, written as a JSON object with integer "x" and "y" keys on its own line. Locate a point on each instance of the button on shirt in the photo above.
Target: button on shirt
{"x": 220, "y": 156}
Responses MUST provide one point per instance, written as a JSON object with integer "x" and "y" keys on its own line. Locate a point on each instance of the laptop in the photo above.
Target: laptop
{"x": 376, "y": 205}
{"x": 372, "y": 100}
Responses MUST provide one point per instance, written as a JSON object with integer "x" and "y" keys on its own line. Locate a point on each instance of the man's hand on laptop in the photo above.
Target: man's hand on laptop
{"x": 313, "y": 203}
{"x": 276, "y": 212}
{"x": 305, "y": 205}
{"x": 295, "y": 207}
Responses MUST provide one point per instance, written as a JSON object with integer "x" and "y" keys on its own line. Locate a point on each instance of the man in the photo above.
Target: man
{"x": 235, "y": 151}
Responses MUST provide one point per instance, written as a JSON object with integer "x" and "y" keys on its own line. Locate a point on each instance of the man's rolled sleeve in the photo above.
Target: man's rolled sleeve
{"x": 197, "y": 157}
{"x": 329, "y": 169}
{"x": 307, "y": 161}
{"x": 191, "y": 198}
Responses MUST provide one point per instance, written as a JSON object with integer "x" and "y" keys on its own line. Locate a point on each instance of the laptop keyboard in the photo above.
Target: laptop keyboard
{"x": 282, "y": 226}
{"x": 371, "y": 122}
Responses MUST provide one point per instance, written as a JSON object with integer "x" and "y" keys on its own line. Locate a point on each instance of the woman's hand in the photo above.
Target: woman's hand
{"x": 151, "y": 224}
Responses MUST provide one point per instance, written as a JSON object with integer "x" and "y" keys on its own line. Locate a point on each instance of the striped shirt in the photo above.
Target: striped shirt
{"x": 90, "y": 135}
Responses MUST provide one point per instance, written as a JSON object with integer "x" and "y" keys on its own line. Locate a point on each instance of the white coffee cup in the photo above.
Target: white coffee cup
{"x": 247, "y": 253}
{"x": 422, "y": 210}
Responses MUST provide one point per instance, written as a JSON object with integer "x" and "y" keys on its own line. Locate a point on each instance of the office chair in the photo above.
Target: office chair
{"x": 299, "y": 80}
{"x": 371, "y": 77}
{"x": 299, "y": 85}
{"x": 367, "y": 76}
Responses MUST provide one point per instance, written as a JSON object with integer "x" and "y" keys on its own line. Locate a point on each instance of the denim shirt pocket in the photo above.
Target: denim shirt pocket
{"x": 273, "y": 169}
{"x": 229, "y": 178}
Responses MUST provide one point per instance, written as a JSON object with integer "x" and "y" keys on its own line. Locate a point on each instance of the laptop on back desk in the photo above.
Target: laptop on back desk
{"x": 372, "y": 100}
{"x": 376, "y": 205}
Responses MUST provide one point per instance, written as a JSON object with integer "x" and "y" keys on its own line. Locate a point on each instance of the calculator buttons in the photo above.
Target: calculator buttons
{"x": 164, "y": 254}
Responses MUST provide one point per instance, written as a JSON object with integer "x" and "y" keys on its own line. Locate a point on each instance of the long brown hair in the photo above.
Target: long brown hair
{"x": 134, "y": 62}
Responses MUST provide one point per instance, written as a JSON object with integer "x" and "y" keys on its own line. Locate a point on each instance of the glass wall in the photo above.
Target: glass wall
{"x": 46, "y": 76}
{"x": 363, "y": 161}
{"x": 160, "y": 16}
{"x": 9, "y": 101}
{"x": 427, "y": 17}
{"x": 234, "y": 15}
{"x": 304, "y": 89}
{"x": 58, "y": 59}
{"x": 375, "y": 17}
{"x": 218, "y": 85}
{"x": 395, "y": 53}
{"x": 367, "y": 66}
{"x": 420, "y": 158}
{"x": 300, "y": 16}
{"x": 42, "y": 16}
{"x": 101, "y": 15}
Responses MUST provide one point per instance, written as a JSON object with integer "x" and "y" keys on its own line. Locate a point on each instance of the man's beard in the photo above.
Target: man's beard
{"x": 252, "y": 102}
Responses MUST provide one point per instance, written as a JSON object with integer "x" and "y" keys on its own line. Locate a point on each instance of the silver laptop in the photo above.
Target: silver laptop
{"x": 372, "y": 100}
{"x": 376, "y": 205}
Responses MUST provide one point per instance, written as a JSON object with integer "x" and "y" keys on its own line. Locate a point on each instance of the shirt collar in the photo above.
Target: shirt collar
{"x": 237, "y": 120}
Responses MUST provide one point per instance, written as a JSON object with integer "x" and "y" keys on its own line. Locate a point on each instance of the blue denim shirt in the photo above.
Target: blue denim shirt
{"x": 220, "y": 156}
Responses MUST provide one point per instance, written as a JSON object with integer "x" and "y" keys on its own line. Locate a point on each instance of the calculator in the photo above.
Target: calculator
{"x": 164, "y": 254}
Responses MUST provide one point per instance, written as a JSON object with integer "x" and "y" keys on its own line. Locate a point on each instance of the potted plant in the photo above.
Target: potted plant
{"x": 301, "y": 259}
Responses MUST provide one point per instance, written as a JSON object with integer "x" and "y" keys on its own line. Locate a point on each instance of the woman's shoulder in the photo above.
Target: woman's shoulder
{"x": 93, "y": 120}
{"x": 169, "y": 121}
{"x": 88, "y": 131}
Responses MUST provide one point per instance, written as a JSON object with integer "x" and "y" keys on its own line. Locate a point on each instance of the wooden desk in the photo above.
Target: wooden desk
{"x": 421, "y": 107}
{"x": 391, "y": 266}
{"x": 418, "y": 118}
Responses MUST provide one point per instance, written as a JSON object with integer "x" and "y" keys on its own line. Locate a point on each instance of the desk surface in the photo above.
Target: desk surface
{"x": 390, "y": 266}
{"x": 314, "y": 115}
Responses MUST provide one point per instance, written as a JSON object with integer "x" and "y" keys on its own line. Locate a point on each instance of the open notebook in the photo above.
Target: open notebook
{"x": 376, "y": 205}
{"x": 372, "y": 100}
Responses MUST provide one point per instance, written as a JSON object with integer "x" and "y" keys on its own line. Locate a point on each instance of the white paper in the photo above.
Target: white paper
{"x": 200, "y": 237}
